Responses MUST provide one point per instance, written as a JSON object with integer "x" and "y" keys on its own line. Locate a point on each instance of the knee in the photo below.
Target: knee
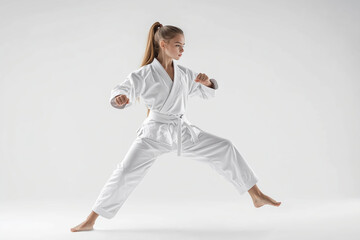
{"x": 226, "y": 143}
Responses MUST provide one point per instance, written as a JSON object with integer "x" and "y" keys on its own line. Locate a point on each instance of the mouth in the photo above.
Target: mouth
{"x": 180, "y": 55}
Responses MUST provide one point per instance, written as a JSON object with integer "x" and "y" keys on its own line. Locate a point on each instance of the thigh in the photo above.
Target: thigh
{"x": 209, "y": 147}
{"x": 142, "y": 151}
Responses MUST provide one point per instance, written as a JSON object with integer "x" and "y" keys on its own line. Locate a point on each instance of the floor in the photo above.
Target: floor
{"x": 294, "y": 219}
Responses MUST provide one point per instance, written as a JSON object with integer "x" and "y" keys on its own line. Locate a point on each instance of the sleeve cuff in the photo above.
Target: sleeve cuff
{"x": 216, "y": 86}
{"x": 208, "y": 92}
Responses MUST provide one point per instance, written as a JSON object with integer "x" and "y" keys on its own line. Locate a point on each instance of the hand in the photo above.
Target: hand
{"x": 203, "y": 79}
{"x": 121, "y": 100}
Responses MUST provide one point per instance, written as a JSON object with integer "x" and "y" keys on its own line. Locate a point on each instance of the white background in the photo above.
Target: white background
{"x": 288, "y": 97}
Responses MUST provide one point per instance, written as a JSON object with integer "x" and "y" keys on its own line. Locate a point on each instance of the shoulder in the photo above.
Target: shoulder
{"x": 141, "y": 73}
{"x": 188, "y": 72}
{"x": 184, "y": 69}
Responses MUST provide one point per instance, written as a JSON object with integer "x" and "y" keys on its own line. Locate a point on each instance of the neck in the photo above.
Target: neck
{"x": 167, "y": 62}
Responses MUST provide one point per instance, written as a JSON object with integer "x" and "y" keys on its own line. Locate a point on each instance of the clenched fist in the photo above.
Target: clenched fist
{"x": 121, "y": 100}
{"x": 203, "y": 79}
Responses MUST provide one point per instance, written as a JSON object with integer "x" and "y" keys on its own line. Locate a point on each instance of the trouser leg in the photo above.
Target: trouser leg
{"x": 127, "y": 175}
{"x": 221, "y": 155}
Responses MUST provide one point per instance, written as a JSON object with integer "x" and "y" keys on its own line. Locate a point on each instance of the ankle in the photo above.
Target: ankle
{"x": 256, "y": 194}
{"x": 90, "y": 221}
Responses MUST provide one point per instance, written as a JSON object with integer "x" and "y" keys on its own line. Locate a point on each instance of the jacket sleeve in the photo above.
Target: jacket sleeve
{"x": 200, "y": 90}
{"x": 131, "y": 87}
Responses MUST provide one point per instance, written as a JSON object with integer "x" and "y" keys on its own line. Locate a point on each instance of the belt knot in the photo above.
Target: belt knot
{"x": 166, "y": 118}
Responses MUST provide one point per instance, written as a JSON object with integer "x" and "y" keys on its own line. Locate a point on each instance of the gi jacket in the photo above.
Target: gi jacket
{"x": 162, "y": 95}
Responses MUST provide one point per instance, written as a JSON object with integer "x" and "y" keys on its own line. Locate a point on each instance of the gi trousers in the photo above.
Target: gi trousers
{"x": 219, "y": 153}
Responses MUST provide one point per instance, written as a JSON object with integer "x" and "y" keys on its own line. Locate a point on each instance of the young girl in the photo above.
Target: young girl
{"x": 165, "y": 87}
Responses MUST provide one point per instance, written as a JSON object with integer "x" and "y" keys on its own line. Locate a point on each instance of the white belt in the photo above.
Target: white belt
{"x": 181, "y": 119}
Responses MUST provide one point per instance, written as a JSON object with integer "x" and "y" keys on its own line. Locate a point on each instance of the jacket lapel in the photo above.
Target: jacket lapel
{"x": 174, "y": 90}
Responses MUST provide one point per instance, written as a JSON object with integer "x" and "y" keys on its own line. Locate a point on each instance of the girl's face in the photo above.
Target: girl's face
{"x": 175, "y": 47}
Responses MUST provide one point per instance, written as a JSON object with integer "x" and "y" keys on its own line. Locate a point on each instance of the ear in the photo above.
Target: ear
{"x": 162, "y": 43}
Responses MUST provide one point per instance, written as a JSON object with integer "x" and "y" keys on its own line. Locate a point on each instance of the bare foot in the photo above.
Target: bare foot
{"x": 262, "y": 199}
{"x": 84, "y": 226}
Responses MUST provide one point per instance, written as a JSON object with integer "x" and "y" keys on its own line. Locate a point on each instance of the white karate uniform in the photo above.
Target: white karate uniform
{"x": 167, "y": 129}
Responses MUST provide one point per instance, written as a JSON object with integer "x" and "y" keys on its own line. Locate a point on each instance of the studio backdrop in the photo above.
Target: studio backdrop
{"x": 288, "y": 96}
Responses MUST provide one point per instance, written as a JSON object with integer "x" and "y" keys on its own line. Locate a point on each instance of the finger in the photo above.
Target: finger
{"x": 125, "y": 100}
{"x": 120, "y": 100}
{"x": 197, "y": 77}
{"x": 117, "y": 100}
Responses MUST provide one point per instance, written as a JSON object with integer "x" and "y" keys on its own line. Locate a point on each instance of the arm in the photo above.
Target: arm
{"x": 198, "y": 89}
{"x": 131, "y": 87}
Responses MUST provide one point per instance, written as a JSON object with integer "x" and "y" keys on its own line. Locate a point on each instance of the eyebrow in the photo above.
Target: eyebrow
{"x": 179, "y": 42}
